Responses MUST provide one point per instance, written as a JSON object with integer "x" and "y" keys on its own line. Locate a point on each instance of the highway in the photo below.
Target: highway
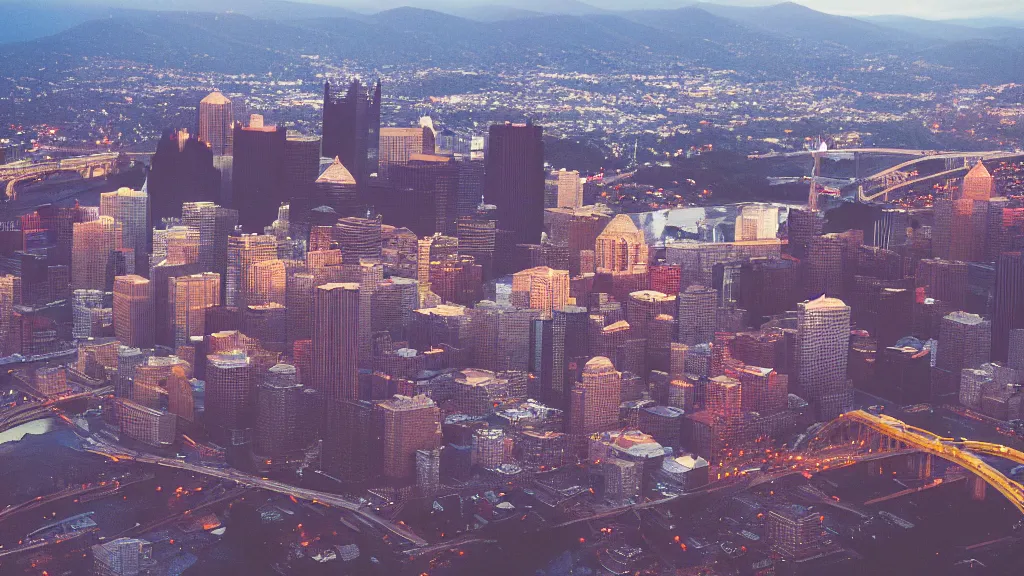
{"x": 117, "y": 453}
{"x": 890, "y": 151}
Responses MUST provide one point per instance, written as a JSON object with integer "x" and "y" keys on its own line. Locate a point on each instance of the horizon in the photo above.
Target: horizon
{"x": 934, "y": 10}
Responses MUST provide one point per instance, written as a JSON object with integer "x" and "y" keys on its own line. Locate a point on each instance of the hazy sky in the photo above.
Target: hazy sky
{"x": 931, "y": 9}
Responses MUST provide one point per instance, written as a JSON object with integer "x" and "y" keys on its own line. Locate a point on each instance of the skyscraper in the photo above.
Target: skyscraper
{"x": 134, "y": 311}
{"x": 698, "y": 308}
{"x": 541, "y": 288}
{"x": 351, "y": 129}
{"x": 216, "y": 120}
{"x": 358, "y": 238}
{"x": 978, "y": 184}
{"x": 398, "y": 144}
{"x": 965, "y": 341}
{"x": 130, "y": 208}
{"x": 403, "y": 426}
{"x": 188, "y": 299}
{"x": 569, "y": 188}
{"x": 595, "y": 400}
{"x": 10, "y": 295}
{"x": 823, "y": 342}
{"x": 336, "y": 342}
{"x": 257, "y": 173}
{"x": 280, "y": 416}
{"x": 93, "y": 243}
{"x": 180, "y": 171}
{"x": 1009, "y": 302}
{"x": 243, "y": 253}
{"x": 424, "y": 195}
{"x": 620, "y": 246}
{"x": 230, "y": 395}
{"x": 514, "y": 179}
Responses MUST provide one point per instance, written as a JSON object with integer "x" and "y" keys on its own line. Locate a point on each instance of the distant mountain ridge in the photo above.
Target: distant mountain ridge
{"x": 773, "y": 42}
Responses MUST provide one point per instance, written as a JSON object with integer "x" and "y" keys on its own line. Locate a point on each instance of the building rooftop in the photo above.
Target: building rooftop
{"x": 215, "y": 97}
{"x": 337, "y": 173}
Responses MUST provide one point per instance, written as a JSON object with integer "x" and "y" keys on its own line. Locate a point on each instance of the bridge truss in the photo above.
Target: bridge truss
{"x": 883, "y": 433}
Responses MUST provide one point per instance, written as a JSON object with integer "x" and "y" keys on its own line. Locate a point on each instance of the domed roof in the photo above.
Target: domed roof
{"x": 599, "y": 364}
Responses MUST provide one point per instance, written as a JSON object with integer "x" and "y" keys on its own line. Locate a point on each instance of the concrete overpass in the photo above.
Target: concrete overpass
{"x": 91, "y": 166}
{"x": 118, "y": 453}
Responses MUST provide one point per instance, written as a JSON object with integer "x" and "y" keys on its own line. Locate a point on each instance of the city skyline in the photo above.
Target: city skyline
{"x": 715, "y": 289}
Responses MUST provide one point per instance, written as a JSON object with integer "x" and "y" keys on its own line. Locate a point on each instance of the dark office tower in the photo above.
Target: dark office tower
{"x": 180, "y": 171}
{"x": 351, "y": 129}
{"x": 569, "y": 332}
{"x": 895, "y": 308}
{"x": 768, "y": 287}
{"x": 257, "y": 173}
{"x": 216, "y": 118}
{"x": 280, "y": 413}
{"x": 514, "y": 179}
{"x": 301, "y": 163}
{"x": 1009, "y": 302}
{"x": 943, "y": 280}
{"x": 336, "y": 342}
{"x": 425, "y": 191}
{"x": 230, "y": 396}
{"x": 471, "y": 186}
{"x": 358, "y": 238}
{"x": 803, "y": 225}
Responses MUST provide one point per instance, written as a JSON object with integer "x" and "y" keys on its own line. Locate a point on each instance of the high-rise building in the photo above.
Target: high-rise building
{"x": 620, "y": 246}
{"x": 823, "y": 343}
{"x": 335, "y": 331}
{"x": 182, "y": 170}
{"x": 698, "y": 308}
{"x": 644, "y": 306}
{"x": 1008, "y": 314}
{"x": 144, "y": 423}
{"x": 424, "y": 194}
{"x": 244, "y": 252}
{"x": 216, "y": 122}
{"x": 514, "y": 179}
{"x": 965, "y": 341}
{"x": 130, "y": 208}
{"x": 88, "y": 313}
{"x": 358, "y": 238}
{"x": 180, "y": 399}
{"x": 257, "y": 172}
{"x": 230, "y": 395}
{"x": 134, "y": 311}
{"x": 802, "y": 226}
{"x": 10, "y": 296}
{"x": 93, "y": 243}
{"x": 568, "y": 188}
{"x": 404, "y": 426}
{"x": 541, "y": 288}
{"x": 595, "y": 400}
{"x": 281, "y": 418}
{"x": 794, "y": 531}
{"x": 398, "y": 144}
{"x": 978, "y": 184}
{"x": 122, "y": 557}
{"x": 1015, "y": 351}
{"x": 757, "y": 222}
{"x": 351, "y": 129}
{"x": 269, "y": 282}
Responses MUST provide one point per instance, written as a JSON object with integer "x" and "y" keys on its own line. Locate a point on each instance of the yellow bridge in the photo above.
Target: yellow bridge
{"x": 893, "y": 434}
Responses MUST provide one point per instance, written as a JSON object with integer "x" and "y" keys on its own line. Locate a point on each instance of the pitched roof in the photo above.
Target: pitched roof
{"x": 215, "y": 97}
{"x": 336, "y": 173}
{"x": 979, "y": 171}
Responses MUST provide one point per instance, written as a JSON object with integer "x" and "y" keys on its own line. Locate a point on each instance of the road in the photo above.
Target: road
{"x": 117, "y": 453}
{"x": 891, "y": 151}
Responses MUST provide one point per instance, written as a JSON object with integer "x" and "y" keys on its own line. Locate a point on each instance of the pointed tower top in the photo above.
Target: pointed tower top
{"x": 336, "y": 173}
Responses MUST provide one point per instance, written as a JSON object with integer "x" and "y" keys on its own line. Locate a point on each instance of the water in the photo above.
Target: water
{"x": 34, "y": 428}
